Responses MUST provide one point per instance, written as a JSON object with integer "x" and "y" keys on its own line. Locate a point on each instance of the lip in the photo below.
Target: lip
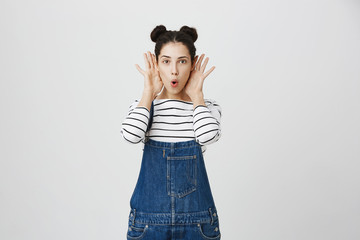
{"x": 174, "y": 82}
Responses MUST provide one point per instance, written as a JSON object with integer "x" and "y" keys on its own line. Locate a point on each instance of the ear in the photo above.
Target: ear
{"x": 194, "y": 63}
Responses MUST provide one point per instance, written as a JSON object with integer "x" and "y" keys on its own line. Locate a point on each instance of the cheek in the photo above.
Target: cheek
{"x": 162, "y": 72}
{"x": 163, "y": 76}
{"x": 186, "y": 71}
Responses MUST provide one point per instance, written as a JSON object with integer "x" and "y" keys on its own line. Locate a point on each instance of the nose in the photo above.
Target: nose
{"x": 174, "y": 70}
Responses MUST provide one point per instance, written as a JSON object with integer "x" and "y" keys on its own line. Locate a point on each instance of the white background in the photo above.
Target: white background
{"x": 287, "y": 77}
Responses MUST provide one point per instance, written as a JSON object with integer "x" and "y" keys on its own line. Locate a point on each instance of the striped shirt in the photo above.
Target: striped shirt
{"x": 173, "y": 121}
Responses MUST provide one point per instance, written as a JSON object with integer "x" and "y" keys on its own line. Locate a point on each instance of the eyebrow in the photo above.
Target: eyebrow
{"x": 170, "y": 57}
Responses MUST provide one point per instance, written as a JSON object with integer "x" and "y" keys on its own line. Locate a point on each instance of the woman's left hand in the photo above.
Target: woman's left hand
{"x": 194, "y": 86}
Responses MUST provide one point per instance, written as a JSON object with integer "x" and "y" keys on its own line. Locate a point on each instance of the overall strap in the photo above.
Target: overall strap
{"x": 151, "y": 116}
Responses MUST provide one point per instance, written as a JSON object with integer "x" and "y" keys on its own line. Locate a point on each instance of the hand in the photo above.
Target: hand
{"x": 194, "y": 86}
{"x": 152, "y": 81}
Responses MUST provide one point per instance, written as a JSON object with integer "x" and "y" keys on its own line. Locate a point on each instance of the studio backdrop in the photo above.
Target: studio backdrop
{"x": 287, "y": 78}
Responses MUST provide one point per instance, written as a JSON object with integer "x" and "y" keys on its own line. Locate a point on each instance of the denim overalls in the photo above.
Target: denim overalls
{"x": 172, "y": 198}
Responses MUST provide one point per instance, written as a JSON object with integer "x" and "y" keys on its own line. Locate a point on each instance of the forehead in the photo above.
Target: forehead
{"x": 175, "y": 50}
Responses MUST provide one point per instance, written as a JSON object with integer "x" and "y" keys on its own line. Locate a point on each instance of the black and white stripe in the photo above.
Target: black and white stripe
{"x": 134, "y": 126}
{"x": 174, "y": 121}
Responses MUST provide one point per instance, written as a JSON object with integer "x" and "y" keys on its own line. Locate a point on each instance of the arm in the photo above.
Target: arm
{"x": 206, "y": 113}
{"x": 207, "y": 122}
{"x": 134, "y": 126}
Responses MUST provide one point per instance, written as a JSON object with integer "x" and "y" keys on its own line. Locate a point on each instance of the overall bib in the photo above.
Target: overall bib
{"x": 172, "y": 198}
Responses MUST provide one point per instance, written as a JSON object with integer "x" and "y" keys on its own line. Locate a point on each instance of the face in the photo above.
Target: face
{"x": 174, "y": 64}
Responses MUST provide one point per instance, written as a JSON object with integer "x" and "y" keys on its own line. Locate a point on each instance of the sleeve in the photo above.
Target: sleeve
{"x": 134, "y": 126}
{"x": 207, "y": 122}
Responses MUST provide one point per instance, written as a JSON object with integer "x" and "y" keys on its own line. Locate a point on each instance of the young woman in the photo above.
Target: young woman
{"x": 172, "y": 198}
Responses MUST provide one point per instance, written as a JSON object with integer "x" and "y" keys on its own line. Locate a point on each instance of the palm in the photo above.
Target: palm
{"x": 153, "y": 80}
{"x": 151, "y": 74}
{"x": 195, "y": 83}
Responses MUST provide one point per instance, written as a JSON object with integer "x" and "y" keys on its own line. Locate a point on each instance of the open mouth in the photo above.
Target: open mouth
{"x": 174, "y": 83}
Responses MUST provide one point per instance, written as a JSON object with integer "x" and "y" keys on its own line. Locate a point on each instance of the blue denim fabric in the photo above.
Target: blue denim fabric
{"x": 172, "y": 198}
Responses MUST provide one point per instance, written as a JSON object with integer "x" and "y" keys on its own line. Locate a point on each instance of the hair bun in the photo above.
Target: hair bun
{"x": 156, "y": 32}
{"x": 190, "y": 31}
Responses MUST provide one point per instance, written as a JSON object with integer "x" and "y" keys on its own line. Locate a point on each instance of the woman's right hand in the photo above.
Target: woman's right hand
{"x": 152, "y": 81}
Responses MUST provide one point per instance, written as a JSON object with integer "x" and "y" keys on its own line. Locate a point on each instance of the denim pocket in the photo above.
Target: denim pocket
{"x": 137, "y": 231}
{"x": 181, "y": 175}
{"x": 209, "y": 231}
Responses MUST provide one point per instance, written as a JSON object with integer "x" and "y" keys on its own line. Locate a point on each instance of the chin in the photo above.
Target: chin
{"x": 173, "y": 91}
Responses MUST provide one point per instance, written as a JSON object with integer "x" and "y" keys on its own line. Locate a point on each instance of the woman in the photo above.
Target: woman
{"x": 172, "y": 198}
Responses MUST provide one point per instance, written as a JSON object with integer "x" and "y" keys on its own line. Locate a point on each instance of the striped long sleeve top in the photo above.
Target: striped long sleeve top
{"x": 173, "y": 121}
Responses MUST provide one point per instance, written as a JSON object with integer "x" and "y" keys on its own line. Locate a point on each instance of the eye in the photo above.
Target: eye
{"x": 166, "y": 61}
{"x": 183, "y": 61}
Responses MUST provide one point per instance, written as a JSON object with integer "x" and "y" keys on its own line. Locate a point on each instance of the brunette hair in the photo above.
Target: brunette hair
{"x": 186, "y": 35}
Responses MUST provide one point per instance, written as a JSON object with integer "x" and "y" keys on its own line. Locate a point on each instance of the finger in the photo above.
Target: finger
{"x": 156, "y": 64}
{"x": 149, "y": 55}
{"x": 153, "y": 58}
{"x": 198, "y": 64}
{"x": 150, "y": 59}
{"x": 203, "y": 67}
{"x": 194, "y": 63}
{"x": 208, "y": 72}
{"x": 139, "y": 69}
{"x": 147, "y": 64}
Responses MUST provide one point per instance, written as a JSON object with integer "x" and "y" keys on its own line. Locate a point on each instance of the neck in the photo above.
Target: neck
{"x": 180, "y": 96}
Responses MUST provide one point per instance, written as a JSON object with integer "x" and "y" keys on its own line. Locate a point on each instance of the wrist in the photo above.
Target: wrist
{"x": 198, "y": 99}
{"x": 146, "y": 100}
{"x": 149, "y": 94}
{"x": 196, "y": 96}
